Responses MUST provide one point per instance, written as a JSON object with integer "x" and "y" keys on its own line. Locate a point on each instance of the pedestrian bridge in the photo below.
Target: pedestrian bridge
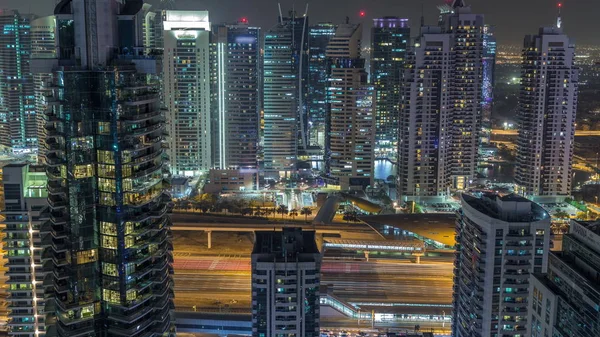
{"x": 241, "y": 324}
{"x": 408, "y": 246}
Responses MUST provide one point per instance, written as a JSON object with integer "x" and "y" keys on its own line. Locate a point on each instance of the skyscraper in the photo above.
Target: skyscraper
{"x": 546, "y": 115}
{"x": 390, "y": 37}
{"x": 186, "y": 80}
{"x": 286, "y": 274}
{"x": 317, "y": 101}
{"x": 107, "y": 246}
{"x": 440, "y": 118}
{"x": 237, "y": 94}
{"x": 26, "y": 202}
{"x": 351, "y": 120}
{"x": 501, "y": 241}
{"x": 489, "y": 68}
{"x": 565, "y": 300}
{"x": 285, "y": 85}
{"x": 18, "y": 128}
{"x": 43, "y": 50}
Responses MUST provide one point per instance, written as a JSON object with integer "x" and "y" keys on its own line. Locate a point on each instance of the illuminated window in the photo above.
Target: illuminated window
{"x": 103, "y": 128}
{"x": 111, "y": 296}
{"x": 87, "y": 311}
{"x": 82, "y": 143}
{"x": 127, "y": 184}
{"x": 109, "y": 242}
{"x": 106, "y": 171}
{"x": 87, "y": 256}
{"x": 109, "y": 269}
{"x": 107, "y": 185}
{"x": 108, "y": 228}
{"x": 83, "y": 171}
{"x": 126, "y": 155}
{"x": 129, "y": 241}
{"x": 126, "y": 171}
{"x": 107, "y": 199}
{"x": 129, "y": 226}
{"x": 131, "y": 294}
{"x": 106, "y": 157}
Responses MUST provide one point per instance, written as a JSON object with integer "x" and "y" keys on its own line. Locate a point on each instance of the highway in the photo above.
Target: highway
{"x": 501, "y": 132}
{"x": 209, "y": 282}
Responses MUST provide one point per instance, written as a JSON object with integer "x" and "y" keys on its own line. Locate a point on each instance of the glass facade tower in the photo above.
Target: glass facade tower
{"x": 390, "y": 37}
{"x": 18, "y": 129}
{"x": 107, "y": 245}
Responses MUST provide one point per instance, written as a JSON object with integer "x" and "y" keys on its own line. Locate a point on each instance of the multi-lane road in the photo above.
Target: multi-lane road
{"x": 225, "y": 282}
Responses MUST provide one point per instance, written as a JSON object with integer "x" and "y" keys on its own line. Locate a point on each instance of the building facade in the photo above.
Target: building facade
{"x": 107, "y": 246}
{"x": 351, "y": 120}
{"x": 25, "y": 210}
{"x": 286, "y": 274}
{"x": 18, "y": 128}
{"x": 501, "y": 241}
{"x": 285, "y": 84}
{"x": 565, "y": 301}
{"x": 186, "y": 81}
{"x": 390, "y": 38}
{"x": 317, "y": 101}
{"x": 236, "y": 95}
{"x": 43, "y": 50}
{"x": 546, "y": 115}
{"x": 440, "y": 116}
{"x": 489, "y": 70}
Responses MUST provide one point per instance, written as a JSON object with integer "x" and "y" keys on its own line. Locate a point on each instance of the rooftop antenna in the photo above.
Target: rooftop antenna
{"x": 559, "y": 18}
{"x": 422, "y": 16}
{"x": 280, "y": 14}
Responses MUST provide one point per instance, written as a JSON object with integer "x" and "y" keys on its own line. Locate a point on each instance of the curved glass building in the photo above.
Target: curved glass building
{"x": 107, "y": 245}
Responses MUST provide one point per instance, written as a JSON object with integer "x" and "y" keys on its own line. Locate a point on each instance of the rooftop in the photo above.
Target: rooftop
{"x": 509, "y": 208}
{"x": 289, "y": 244}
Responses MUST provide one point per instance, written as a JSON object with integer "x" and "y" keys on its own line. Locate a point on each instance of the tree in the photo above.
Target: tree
{"x": 283, "y": 210}
{"x": 258, "y": 211}
{"x": 560, "y": 214}
{"x": 246, "y": 211}
{"x": 582, "y": 216}
{"x": 294, "y": 213}
{"x": 391, "y": 178}
{"x": 306, "y": 212}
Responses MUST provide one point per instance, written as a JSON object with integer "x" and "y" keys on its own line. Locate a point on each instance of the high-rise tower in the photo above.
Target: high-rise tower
{"x": 24, "y": 212}
{"x": 107, "y": 245}
{"x": 440, "y": 119}
{"x": 487, "y": 90}
{"x": 286, "y": 274}
{"x": 565, "y": 300}
{"x": 285, "y": 87}
{"x": 390, "y": 37}
{"x": 351, "y": 120}
{"x": 186, "y": 80}
{"x": 43, "y": 49}
{"x": 546, "y": 115}
{"x": 236, "y": 95}
{"x": 317, "y": 101}
{"x": 18, "y": 128}
{"x": 501, "y": 241}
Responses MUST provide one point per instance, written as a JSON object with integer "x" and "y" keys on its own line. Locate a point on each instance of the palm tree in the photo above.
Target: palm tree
{"x": 306, "y": 212}
{"x": 283, "y": 210}
{"x": 294, "y": 213}
{"x": 560, "y": 214}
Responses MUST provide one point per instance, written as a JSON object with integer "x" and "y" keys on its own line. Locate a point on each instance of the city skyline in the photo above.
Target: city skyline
{"x": 578, "y": 16}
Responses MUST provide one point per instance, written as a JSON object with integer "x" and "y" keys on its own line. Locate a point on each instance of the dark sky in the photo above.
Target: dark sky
{"x": 512, "y": 18}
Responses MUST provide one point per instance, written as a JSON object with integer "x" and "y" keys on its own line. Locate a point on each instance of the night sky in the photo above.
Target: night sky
{"x": 512, "y": 18}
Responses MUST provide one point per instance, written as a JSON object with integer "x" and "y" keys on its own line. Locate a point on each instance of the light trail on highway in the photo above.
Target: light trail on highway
{"x": 202, "y": 281}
